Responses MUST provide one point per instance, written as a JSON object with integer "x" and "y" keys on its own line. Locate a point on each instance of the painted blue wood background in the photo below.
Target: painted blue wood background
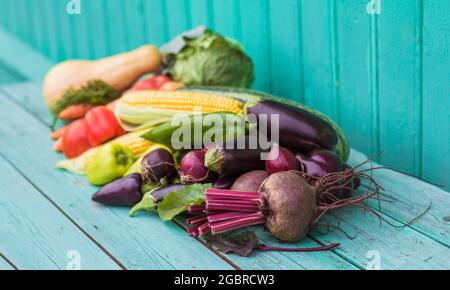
{"x": 385, "y": 78}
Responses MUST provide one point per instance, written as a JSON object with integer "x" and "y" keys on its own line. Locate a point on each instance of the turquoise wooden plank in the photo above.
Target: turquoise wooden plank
{"x": 25, "y": 95}
{"x": 354, "y": 53}
{"x": 320, "y": 61}
{"x": 4, "y": 265}
{"x": 135, "y": 23}
{"x": 436, "y": 93}
{"x": 156, "y": 27}
{"x": 141, "y": 243}
{"x": 21, "y": 58}
{"x": 117, "y": 34}
{"x": 179, "y": 10}
{"x": 202, "y": 13}
{"x": 255, "y": 27}
{"x": 410, "y": 197}
{"x": 398, "y": 248}
{"x": 227, "y": 18}
{"x": 400, "y": 84}
{"x": 8, "y": 75}
{"x": 285, "y": 21}
{"x": 98, "y": 25}
{"x": 35, "y": 234}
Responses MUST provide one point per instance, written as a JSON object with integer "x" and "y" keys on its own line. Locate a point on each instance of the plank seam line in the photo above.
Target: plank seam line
{"x": 223, "y": 257}
{"x": 419, "y": 91}
{"x": 334, "y": 59}
{"x": 114, "y": 259}
{"x": 8, "y": 261}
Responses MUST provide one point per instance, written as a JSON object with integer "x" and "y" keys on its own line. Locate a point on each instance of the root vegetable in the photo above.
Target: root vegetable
{"x": 286, "y": 203}
{"x": 250, "y": 181}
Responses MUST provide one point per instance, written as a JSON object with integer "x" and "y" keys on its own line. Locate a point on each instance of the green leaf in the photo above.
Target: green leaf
{"x": 178, "y": 201}
{"x": 147, "y": 203}
{"x": 242, "y": 243}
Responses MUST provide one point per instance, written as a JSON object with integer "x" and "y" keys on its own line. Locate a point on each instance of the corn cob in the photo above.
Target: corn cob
{"x": 143, "y": 106}
{"x": 133, "y": 141}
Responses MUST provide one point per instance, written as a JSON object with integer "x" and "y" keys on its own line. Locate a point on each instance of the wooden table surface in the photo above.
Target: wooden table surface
{"x": 48, "y": 220}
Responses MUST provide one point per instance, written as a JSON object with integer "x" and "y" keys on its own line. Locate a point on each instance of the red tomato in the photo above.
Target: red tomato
{"x": 151, "y": 83}
{"x": 74, "y": 139}
{"x": 102, "y": 125}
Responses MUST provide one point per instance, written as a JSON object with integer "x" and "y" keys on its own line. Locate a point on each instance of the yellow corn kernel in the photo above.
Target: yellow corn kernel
{"x": 183, "y": 101}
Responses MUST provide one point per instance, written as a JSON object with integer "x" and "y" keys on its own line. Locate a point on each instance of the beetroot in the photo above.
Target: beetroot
{"x": 250, "y": 181}
{"x": 287, "y": 203}
{"x": 192, "y": 168}
{"x": 280, "y": 159}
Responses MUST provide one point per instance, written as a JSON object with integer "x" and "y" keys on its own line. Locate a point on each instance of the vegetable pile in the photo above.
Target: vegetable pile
{"x": 157, "y": 143}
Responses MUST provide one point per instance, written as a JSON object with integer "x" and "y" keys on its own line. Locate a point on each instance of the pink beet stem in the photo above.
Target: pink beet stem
{"x": 225, "y": 216}
{"x": 196, "y": 208}
{"x": 203, "y": 229}
{"x": 318, "y": 249}
{"x": 193, "y": 231}
{"x": 196, "y": 220}
{"x": 231, "y": 194}
{"x": 235, "y": 201}
{"x": 249, "y": 220}
{"x": 232, "y": 207}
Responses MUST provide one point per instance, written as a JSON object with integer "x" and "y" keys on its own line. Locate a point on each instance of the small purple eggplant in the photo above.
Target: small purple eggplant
{"x": 122, "y": 192}
{"x": 224, "y": 182}
{"x": 320, "y": 162}
{"x": 158, "y": 165}
{"x": 161, "y": 193}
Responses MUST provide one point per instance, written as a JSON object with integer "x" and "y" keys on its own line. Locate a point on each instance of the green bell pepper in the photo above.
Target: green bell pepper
{"x": 109, "y": 164}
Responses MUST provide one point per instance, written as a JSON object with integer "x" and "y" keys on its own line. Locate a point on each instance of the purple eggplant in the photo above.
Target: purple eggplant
{"x": 320, "y": 162}
{"x": 122, "y": 192}
{"x": 158, "y": 165}
{"x": 161, "y": 193}
{"x": 300, "y": 130}
{"x": 224, "y": 182}
{"x": 233, "y": 162}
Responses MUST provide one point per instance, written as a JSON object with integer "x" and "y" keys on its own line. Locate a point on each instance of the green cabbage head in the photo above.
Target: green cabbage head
{"x": 212, "y": 60}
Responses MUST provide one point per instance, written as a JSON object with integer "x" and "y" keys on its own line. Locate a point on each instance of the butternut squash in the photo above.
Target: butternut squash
{"x": 119, "y": 72}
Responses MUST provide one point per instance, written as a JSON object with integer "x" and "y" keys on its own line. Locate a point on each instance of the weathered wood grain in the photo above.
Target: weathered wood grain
{"x": 410, "y": 197}
{"x": 35, "y": 234}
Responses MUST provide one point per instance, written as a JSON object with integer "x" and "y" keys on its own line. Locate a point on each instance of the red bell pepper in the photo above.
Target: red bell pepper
{"x": 74, "y": 139}
{"x": 102, "y": 125}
